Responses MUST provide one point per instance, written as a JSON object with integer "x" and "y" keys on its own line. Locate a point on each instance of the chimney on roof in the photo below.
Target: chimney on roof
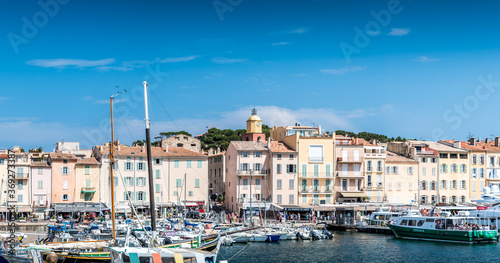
{"x": 478, "y": 139}
{"x": 487, "y": 140}
{"x": 497, "y": 141}
{"x": 457, "y": 144}
{"x": 269, "y": 143}
{"x": 142, "y": 150}
{"x": 166, "y": 148}
{"x": 319, "y": 129}
{"x": 218, "y": 150}
{"x": 472, "y": 140}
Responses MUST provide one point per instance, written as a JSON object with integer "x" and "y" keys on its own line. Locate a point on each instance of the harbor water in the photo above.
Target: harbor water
{"x": 361, "y": 247}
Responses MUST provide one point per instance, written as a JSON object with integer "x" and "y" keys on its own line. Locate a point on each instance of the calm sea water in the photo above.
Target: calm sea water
{"x": 361, "y": 247}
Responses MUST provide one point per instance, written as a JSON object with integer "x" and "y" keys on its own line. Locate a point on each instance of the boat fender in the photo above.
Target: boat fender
{"x": 155, "y": 243}
{"x": 52, "y": 258}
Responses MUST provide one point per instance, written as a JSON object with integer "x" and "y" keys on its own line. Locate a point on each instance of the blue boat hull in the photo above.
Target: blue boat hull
{"x": 273, "y": 238}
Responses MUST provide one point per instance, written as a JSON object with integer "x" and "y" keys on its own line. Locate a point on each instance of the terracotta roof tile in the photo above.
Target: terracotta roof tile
{"x": 155, "y": 151}
{"x": 39, "y": 164}
{"x": 280, "y": 147}
{"x": 392, "y": 157}
{"x": 249, "y": 146}
{"x": 87, "y": 161}
{"x": 62, "y": 156}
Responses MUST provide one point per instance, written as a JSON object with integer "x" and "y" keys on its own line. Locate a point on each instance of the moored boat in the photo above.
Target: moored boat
{"x": 447, "y": 229}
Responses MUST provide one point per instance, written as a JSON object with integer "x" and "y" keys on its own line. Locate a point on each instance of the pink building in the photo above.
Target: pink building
{"x": 41, "y": 187}
{"x": 282, "y": 179}
{"x": 63, "y": 177}
{"x": 350, "y": 177}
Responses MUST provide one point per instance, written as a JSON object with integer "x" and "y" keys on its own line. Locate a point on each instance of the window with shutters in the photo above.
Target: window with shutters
{"x": 140, "y": 166}
{"x": 344, "y": 169}
{"x": 64, "y": 197}
{"x": 197, "y": 183}
{"x": 40, "y": 171}
{"x": 188, "y": 163}
{"x": 278, "y": 199}
{"x": 88, "y": 183}
{"x": 176, "y": 163}
{"x": 473, "y": 173}
{"x": 140, "y": 196}
{"x": 356, "y": 169}
{"x": 290, "y": 157}
{"x": 199, "y": 164}
{"x": 315, "y": 153}
{"x": 423, "y": 185}
{"x": 65, "y": 184}
{"x": 304, "y": 185}
{"x": 257, "y": 154}
{"x": 304, "y": 170}
{"x": 316, "y": 185}
{"x": 379, "y": 166}
{"x": 356, "y": 156}
{"x": 291, "y": 168}
{"x": 257, "y": 183}
{"x": 424, "y": 171}
{"x": 128, "y": 166}
{"x": 158, "y": 188}
{"x": 245, "y": 184}
{"x": 369, "y": 166}
{"x": 65, "y": 170}
{"x": 257, "y": 167}
{"x": 129, "y": 181}
{"x": 126, "y": 195}
{"x": 291, "y": 184}
{"x": 20, "y": 198}
{"x": 190, "y": 193}
{"x": 20, "y": 184}
{"x": 304, "y": 199}
{"x": 279, "y": 156}
{"x": 87, "y": 169}
{"x": 291, "y": 199}
{"x": 316, "y": 170}
{"x": 178, "y": 182}
{"x": 157, "y": 161}
{"x": 141, "y": 181}
{"x": 327, "y": 170}
{"x": 344, "y": 155}
{"x": 278, "y": 184}
{"x": 278, "y": 168}
{"x": 158, "y": 173}
{"x": 40, "y": 184}
{"x": 327, "y": 185}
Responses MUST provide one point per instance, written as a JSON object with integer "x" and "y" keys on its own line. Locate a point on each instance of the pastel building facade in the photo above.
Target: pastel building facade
{"x": 246, "y": 171}
{"x": 180, "y": 176}
{"x": 401, "y": 179}
{"x": 216, "y": 172}
{"x": 283, "y": 176}
{"x": 374, "y": 168}
{"x": 350, "y": 175}
{"x": 41, "y": 187}
{"x": 63, "y": 177}
{"x": 87, "y": 181}
{"x": 315, "y": 166}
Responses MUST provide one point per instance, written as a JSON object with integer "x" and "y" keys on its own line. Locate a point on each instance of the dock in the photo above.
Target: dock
{"x": 375, "y": 229}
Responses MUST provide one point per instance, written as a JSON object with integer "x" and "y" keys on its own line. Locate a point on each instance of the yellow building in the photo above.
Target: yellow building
{"x": 401, "y": 179}
{"x": 453, "y": 173}
{"x": 87, "y": 171}
{"x": 316, "y": 162}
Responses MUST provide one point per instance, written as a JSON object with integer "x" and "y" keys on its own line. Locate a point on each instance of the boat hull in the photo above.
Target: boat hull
{"x": 16, "y": 259}
{"x": 472, "y": 236}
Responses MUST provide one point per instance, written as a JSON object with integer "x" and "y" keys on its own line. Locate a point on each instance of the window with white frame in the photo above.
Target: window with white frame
{"x": 316, "y": 153}
{"x": 278, "y": 184}
{"x": 278, "y": 199}
{"x": 291, "y": 184}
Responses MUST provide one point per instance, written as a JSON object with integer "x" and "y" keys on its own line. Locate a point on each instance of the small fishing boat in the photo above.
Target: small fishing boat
{"x": 447, "y": 229}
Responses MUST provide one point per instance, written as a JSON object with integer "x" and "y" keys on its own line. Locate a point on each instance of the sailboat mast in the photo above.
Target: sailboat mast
{"x": 111, "y": 164}
{"x": 150, "y": 163}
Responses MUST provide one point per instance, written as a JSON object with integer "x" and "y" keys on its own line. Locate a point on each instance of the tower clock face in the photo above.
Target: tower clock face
{"x": 258, "y": 124}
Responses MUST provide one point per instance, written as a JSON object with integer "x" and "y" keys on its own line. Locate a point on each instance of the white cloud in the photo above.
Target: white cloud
{"x": 373, "y": 33}
{"x": 299, "y": 30}
{"x": 280, "y": 43}
{"x": 300, "y": 75}
{"x": 343, "y": 71}
{"x": 103, "y": 64}
{"x": 68, "y": 62}
{"x": 399, "y": 31}
{"x": 222, "y": 60}
{"x": 425, "y": 59}
{"x": 142, "y": 63}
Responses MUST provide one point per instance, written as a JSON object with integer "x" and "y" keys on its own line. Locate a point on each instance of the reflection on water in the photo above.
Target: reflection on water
{"x": 361, "y": 247}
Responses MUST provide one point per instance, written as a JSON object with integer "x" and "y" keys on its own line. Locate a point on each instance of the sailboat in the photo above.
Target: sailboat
{"x": 156, "y": 254}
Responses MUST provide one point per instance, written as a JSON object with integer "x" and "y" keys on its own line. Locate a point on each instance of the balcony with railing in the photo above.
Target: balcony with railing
{"x": 88, "y": 190}
{"x": 374, "y": 184}
{"x": 316, "y": 159}
{"x": 262, "y": 172}
{"x": 40, "y": 204}
{"x": 349, "y": 159}
{"x": 22, "y": 176}
{"x": 351, "y": 174}
{"x": 316, "y": 189}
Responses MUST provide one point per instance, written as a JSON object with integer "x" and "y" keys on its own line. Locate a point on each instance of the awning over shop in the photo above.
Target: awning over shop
{"x": 360, "y": 194}
{"x": 23, "y": 209}
{"x": 87, "y": 192}
{"x": 296, "y": 208}
{"x": 79, "y": 207}
{"x": 190, "y": 204}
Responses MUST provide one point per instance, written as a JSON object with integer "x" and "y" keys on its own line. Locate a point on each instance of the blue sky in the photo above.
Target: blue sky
{"x": 208, "y": 64}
